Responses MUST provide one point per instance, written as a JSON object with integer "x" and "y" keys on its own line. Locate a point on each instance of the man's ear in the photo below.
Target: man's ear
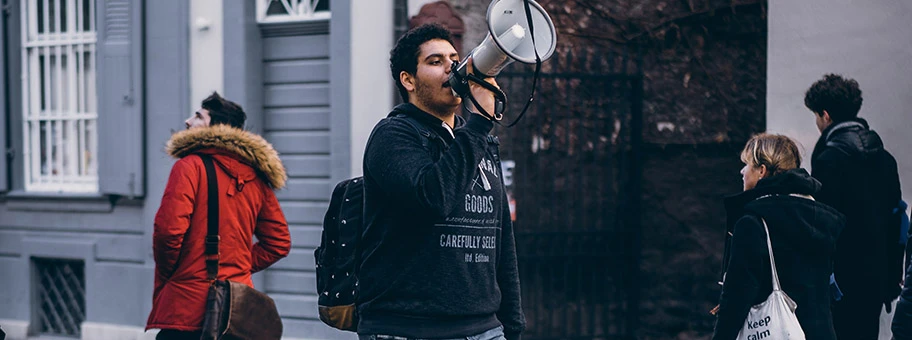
{"x": 826, "y": 116}
{"x": 763, "y": 171}
{"x": 407, "y": 80}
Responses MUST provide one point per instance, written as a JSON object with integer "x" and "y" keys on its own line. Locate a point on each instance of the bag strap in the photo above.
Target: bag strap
{"x": 769, "y": 245}
{"x": 212, "y": 234}
{"x": 419, "y": 128}
{"x": 357, "y": 253}
{"x": 842, "y": 125}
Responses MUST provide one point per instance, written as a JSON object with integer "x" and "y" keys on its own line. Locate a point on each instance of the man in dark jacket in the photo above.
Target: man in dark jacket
{"x": 438, "y": 253}
{"x": 860, "y": 179}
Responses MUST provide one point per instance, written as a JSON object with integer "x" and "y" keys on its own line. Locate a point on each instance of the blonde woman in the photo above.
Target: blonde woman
{"x": 802, "y": 231}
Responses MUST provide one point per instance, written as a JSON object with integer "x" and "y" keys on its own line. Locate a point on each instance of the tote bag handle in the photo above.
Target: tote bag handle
{"x": 769, "y": 245}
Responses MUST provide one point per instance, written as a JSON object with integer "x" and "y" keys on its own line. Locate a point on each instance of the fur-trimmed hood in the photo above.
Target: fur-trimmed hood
{"x": 247, "y": 146}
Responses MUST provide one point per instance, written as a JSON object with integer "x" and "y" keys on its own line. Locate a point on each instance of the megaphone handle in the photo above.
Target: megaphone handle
{"x": 500, "y": 98}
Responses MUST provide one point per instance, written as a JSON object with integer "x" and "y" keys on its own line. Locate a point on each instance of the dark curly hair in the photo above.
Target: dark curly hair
{"x": 404, "y": 56}
{"x": 224, "y": 111}
{"x": 838, "y": 96}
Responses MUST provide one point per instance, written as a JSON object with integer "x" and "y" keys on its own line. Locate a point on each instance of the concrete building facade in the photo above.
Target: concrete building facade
{"x": 864, "y": 40}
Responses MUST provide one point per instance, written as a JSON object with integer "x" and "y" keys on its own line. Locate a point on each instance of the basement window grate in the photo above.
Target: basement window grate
{"x": 61, "y": 294}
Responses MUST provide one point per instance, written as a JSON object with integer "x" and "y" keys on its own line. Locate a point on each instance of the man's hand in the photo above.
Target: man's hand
{"x": 484, "y": 97}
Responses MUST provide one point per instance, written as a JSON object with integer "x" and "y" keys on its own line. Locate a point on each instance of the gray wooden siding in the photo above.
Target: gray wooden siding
{"x": 297, "y": 122}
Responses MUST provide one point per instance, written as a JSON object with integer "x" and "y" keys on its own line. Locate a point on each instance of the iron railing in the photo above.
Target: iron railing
{"x": 576, "y": 183}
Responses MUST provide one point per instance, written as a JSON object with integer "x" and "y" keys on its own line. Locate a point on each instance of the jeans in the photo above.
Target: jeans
{"x": 491, "y": 334}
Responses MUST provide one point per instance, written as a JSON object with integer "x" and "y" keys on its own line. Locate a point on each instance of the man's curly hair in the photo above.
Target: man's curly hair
{"x": 838, "y": 96}
{"x": 404, "y": 56}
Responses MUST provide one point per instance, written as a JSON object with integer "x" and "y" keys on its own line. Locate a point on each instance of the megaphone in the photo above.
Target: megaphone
{"x": 510, "y": 38}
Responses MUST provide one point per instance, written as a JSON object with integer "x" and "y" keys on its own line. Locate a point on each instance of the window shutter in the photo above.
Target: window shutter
{"x": 4, "y": 115}
{"x": 120, "y": 97}
{"x": 4, "y": 163}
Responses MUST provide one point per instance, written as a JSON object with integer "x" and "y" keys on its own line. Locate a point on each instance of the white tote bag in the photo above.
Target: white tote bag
{"x": 773, "y": 319}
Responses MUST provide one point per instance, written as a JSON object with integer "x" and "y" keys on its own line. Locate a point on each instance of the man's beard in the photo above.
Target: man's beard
{"x": 429, "y": 95}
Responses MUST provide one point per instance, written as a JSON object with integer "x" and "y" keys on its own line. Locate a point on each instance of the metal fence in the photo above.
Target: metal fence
{"x": 574, "y": 167}
{"x": 61, "y": 295}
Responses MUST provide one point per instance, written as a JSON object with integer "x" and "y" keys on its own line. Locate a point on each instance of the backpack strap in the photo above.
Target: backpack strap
{"x": 419, "y": 128}
{"x": 840, "y": 126}
{"x": 212, "y": 233}
{"x": 355, "y": 190}
{"x": 424, "y": 131}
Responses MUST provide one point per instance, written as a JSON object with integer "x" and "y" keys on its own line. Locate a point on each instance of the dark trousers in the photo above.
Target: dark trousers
{"x": 170, "y": 334}
{"x": 857, "y": 319}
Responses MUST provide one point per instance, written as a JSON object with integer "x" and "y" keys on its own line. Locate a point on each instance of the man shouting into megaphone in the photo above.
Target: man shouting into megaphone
{"x": 438, "y": 257}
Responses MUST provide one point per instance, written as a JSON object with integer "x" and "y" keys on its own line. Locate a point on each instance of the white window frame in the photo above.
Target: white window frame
{"x": 60, "y": 101}
{"x": 298, "y": 10}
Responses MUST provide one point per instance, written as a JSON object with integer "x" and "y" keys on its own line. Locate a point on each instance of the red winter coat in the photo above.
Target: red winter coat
{"x": 248, "y": 169}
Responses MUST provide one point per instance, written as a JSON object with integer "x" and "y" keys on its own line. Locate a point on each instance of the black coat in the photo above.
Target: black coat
{"x": 860, "y": 179}
{"x": 438, "y": 252}
{"x": 803, "y": 233}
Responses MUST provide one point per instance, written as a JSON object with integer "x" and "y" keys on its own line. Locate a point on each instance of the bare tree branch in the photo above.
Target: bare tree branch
{"x": 689, "y": 16}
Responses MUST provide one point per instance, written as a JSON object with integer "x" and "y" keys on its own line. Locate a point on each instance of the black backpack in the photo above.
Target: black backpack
{"x": 888, "y": 198}
{"x": 339, "y": 254}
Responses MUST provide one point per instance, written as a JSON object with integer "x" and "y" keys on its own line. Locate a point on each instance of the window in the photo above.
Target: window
{"x": 60, "y": 286}
{"x": 277, "y": 11}
{"x": 60, "y": 108}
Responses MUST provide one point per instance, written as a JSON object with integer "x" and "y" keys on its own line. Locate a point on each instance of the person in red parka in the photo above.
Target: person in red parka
{"x": 248, "y": 170}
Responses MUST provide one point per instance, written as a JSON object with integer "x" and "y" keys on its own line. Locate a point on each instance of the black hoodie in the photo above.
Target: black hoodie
{"x": 860, "y": 179}
{"x": 803, "y": 233}
{"x": 439, "y": 257}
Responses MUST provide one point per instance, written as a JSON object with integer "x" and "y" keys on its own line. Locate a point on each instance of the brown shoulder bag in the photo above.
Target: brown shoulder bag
{"x": 234, "y": 311}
